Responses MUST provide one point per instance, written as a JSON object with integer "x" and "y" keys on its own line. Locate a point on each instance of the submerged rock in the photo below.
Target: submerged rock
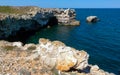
{"x": 47, "y": 58}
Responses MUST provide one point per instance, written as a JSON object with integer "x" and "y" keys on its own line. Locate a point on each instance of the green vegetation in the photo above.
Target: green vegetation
{"x": 5, "y": 9}
{"x": 9, "y": 48}
{"x": 31, "y": 48}
{"x": 15, "y": 10}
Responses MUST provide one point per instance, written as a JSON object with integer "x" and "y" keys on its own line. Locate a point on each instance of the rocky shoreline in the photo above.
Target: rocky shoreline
{"x": 33, "y": 18}
{"x": 46, "y": 58}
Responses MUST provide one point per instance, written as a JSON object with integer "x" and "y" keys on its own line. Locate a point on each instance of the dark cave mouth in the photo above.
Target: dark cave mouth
{"x": 22, "y": 35}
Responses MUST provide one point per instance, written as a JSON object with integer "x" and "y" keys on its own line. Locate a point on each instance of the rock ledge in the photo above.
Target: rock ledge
{"x": 45, "y": 58}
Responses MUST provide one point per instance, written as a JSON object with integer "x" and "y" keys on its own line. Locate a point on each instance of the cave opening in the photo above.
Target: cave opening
{"x": 22, "y": 35}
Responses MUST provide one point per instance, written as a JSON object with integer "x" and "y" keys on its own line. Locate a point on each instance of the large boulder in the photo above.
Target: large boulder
{"x": 56, "y": 55}
{"x": 92, "y": 19}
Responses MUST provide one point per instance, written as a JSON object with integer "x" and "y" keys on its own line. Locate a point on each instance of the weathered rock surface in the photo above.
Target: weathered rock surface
{"x": 33, "y": 18}
{"x": 45, "y": 58}
{"x": 67, "y": 17}
{"x": 92, "y": 19}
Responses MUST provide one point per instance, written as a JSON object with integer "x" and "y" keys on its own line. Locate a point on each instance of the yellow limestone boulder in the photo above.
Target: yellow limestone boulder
{"x": 63, "y": 57}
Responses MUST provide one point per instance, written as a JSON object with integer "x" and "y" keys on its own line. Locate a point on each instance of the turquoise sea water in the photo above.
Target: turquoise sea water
{"x": 101, "y": 40}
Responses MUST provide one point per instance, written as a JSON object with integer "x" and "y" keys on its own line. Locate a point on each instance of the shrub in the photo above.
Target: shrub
{"x": 9, "y": 48}
{"x": 31, "y": 48}
{"x": 14, "y": 10}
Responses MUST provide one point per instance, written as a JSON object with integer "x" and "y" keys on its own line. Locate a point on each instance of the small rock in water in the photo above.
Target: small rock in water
{"x": 92, "y": 19}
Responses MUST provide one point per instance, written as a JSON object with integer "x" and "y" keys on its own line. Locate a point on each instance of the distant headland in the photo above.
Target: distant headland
{"x": 13, "y": 19}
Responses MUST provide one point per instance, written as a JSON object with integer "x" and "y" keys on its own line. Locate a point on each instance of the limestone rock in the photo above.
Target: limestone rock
{"x": 67, "y": 17}
{"x": 92, "y": 19}
{"x": 43, "y": 41}
{"x": 74, "y": 22}
{"x": 82, "y": 57}
{"x": 33, "y": 18}
{"x": 56, "y": 55}
{"x": 46, "y": 58}
{"x": 64, "y": 57}
{"x": 29, "y": 47}
{"x": 94, "y": 68}
{"x": 18, "y": 44}
{"x": 4, "y": 43}
{"x": 24, "y": 72}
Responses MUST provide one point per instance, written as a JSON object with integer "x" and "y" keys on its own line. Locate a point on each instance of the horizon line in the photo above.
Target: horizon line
{"x": 67, "y": 7}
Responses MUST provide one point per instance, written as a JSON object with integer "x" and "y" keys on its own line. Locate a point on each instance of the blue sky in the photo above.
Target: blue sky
{"x": 64, "y": 3}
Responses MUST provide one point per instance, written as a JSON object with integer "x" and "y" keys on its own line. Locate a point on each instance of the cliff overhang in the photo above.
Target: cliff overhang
{"x": 32, "y": 18}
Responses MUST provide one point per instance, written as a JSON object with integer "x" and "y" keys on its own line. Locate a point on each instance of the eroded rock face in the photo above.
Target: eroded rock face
{"x": 34, "y": 18}
{"x": 45, "y": 58}
{"x": 67, "y": 17}
{"x": 64, "y": 58}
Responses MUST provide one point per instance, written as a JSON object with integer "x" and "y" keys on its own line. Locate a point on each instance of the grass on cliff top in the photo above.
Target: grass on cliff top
{"x": 15, "y": 10}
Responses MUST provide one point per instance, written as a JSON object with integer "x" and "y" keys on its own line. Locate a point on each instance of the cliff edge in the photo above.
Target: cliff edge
{"x": 46, "y": 58}
{"x": 13, "y": 19}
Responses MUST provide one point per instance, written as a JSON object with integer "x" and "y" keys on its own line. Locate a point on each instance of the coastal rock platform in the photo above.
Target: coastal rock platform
{"x": 46, "y": 58}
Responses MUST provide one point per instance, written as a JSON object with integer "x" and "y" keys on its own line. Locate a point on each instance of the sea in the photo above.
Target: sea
{"x": 101, "y": 40}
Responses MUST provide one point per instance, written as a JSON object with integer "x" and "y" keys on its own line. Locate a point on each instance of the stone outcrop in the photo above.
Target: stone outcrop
{"x": 92, "y": 19}
{"x": 33, "y": 18}
{"x": 45, "y": 58}
{"x": 67, "y": 17}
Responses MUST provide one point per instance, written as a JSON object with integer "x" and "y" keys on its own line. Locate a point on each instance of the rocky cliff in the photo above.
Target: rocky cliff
{"x": 45, "y": 58}
{"x": 13, "y": 19}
